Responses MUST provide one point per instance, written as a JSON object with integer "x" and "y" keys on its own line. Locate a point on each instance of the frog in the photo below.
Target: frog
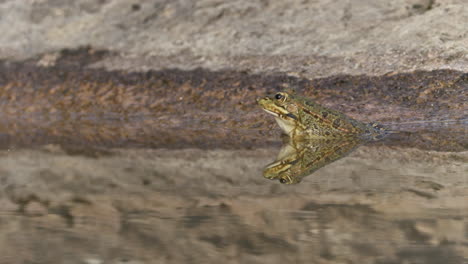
{"x": 300, "y": 117}
{"x": 300, "y": 158}
{"x": 315, "y": 135}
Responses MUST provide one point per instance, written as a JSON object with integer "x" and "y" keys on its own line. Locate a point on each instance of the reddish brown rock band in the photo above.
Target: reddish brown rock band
{"x": 67, "y": 104}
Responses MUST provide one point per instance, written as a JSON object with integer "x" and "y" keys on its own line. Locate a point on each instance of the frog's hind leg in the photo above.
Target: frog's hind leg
{"x": 375, "y": 131}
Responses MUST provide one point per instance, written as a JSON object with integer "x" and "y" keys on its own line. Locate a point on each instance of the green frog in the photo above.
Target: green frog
{"x": 300, "y": 117}
{"x": 316, "y": 136}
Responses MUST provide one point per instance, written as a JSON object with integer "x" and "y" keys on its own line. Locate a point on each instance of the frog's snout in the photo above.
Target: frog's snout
{"x": 261, "y": 100}
{"x": 265, "y": 99}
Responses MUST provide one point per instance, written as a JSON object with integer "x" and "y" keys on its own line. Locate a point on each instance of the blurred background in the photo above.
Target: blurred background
{"x": 129, "y": 131}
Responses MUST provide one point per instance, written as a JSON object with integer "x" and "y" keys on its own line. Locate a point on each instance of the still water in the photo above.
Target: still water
{"x": 167, "y": 167}
{"x": 379, "y": 204}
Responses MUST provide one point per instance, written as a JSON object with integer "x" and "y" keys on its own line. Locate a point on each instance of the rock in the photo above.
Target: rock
{"x": 311, "y": 38}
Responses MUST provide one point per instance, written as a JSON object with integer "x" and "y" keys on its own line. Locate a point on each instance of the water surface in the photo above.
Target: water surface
{"x": 167, "y": 168}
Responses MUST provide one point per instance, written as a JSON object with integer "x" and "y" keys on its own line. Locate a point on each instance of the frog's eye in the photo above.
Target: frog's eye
{"x": 283, "y": 180}
{"x": 279, "y": 96}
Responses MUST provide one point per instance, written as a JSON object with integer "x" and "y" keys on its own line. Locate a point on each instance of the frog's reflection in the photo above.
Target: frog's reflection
{"x": 317, "y": 135}
{"x": 301, "y": 157}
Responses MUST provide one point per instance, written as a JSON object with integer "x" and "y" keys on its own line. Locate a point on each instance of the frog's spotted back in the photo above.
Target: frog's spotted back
{"x": 301, "y": 117}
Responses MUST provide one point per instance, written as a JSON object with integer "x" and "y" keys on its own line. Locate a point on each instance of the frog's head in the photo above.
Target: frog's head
{"x": 283, "y": 106}
{"x": 281, "y": 170}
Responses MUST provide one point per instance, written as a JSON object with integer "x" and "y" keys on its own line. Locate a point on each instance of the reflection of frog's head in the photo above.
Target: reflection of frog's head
{"x": 281, "y": 170}
{"x": 285, "y": 109}
{"x": 287, "y": 167}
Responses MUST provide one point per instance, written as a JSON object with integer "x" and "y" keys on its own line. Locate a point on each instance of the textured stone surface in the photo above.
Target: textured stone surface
{"x": 310, "y": 38}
